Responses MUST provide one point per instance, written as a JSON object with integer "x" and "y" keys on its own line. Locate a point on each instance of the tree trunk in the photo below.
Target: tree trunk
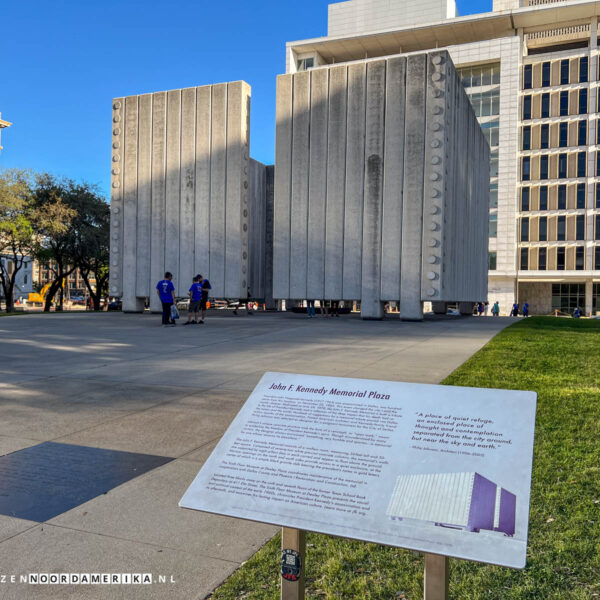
{"x": 50, "y": 295}
{"x": 8, "y": 295}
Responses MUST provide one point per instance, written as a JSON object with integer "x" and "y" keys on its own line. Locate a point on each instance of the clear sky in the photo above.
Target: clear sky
{"x": 63, "y": 61}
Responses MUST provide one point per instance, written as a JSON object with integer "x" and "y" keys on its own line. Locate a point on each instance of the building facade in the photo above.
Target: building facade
{"x": 534, "y": 87}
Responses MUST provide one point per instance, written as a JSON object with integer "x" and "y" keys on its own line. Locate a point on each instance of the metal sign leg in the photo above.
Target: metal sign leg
{"x": 293, "y": 552}
{"x": 436, "y": 577}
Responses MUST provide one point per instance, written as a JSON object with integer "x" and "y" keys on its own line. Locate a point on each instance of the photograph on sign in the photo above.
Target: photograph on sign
{"x": 439, "y": 469}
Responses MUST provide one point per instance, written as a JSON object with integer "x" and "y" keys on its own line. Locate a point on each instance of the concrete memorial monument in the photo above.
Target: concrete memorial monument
{"x": 443, "y": 470}
{"x": 381, "y": 186}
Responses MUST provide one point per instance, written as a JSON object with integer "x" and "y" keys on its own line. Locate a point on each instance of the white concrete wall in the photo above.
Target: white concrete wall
{"x": 507, "y": 4}
{"x": 360, "y": 16}
{"x": 180, "y": 191}
{"x": 381, "y": 186}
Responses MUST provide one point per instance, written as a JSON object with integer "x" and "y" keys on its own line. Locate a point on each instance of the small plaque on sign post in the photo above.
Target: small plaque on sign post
{"x": 439, "y": 469}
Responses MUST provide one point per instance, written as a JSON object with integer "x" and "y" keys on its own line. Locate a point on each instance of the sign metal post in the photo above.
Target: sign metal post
{"x": 436, "y": 577}
{"x": 293, "y": 553}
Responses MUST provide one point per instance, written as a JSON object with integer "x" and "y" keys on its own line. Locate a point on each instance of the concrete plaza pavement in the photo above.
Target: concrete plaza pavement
{"x": 123, "y": 382}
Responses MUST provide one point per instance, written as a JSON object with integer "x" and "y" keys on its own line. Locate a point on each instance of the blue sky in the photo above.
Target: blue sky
{"x": 63, "y": 62}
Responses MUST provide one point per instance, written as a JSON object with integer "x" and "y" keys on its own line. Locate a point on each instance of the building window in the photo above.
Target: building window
{"x": 581, "y": 164}
{"x": 583, "y": 69}
{"x": 582, "y": 133}
{"x": 583, "y": 101}
{"x": 596, "y": 259}
{"x": 544, "y": 197}
{"x": 524, "y": 259}
{"x": 543, "y": 229}
{"x": 494, "y": 195}
{"x": 562, "y": 166}
{"x": 560, "y": 259}
{"x": 492, "y": 260}
{"x": 526, "y": 170}
{"x": 306, "y": 63}
{"x": 526, "y": 108}
{"x": 561, "y": 228}
{"x": 567, "y": 297}
{"x": 542, "y": 259}
{"x": 527, "y": 80}
{"x": 597, "y": 163}
{"x": 563, "y": 135}
{"x": 493, "y": 225}
{"x": 579, "y": 258}
{"x": 525, "y": 229}
{"x": 564, "y": 103}
{"x": 494, "y": 163}
{"x": 25, "y": 279}
{"x": 564, "y": 71}
{"x": 527, "y": 137}
{"x": 525, "y": 199}
{"x": 580, "y": 227}
{"x": 581, "y": 195}
{"x": 597, "y": 228}
{"x": 544, "y": 166}
{"x": 597, "y": 195}
{"x": 545, "y": 74}
{"x": 545, "y": 106}
{"x": 544, "y": 135}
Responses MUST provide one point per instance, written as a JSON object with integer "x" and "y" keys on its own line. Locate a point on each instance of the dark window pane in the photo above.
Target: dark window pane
{"x": 493, "y": 225}
{"x": 526, "y": 168}
{"x": 562, "y": 197}
{"x": 544, "y": 135}
{"x": 597, "y": 258}
{"x": 527, "y": 137}
{"x": 546, "y": 106}
{"x": 583, "y": 69}
{"x": 564, "y": 104}
{"x": 524, "y": 259}
{"x": 545, "y": 74}
{"x": 580, "y": 227}
{"x": 579, "y": 258}
{"x": 494, "y": 195}
{"x": 597, "y": 228}
{"x": 581, "y": 164}
{"x": 542, "y": 259}
{"x": 582, "y": 133}
{"x": 562, "y": 166}
{"x": 544, "y": 197}
{"x": 561, "y": 229}
{"x": 564, "y": 71}
{"x": 525, "y": 229}
{"x": 560, "y": 259}
{"x": 525, "y": 199}
{"x": 583, "y": 103}
{"x": 527, "y": 71}
{"x": 543, "y": 229}
{"x": 563, "y": 135}
{"x": 597, "y": 195}
{"x": 526, "y": 107}
{"x": 544, "y": 166}
{"x": 492, "y": 258}
{"x": 581, "y": 195}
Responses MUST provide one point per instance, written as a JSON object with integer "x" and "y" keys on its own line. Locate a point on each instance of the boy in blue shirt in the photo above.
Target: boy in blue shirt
{"x": 166, "y": 292}
{"x": 195, "y": 298}
{"x": 205, "y": 286}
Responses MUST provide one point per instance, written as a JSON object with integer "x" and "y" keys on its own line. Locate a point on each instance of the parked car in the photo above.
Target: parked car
{"x": 115, "y": 305}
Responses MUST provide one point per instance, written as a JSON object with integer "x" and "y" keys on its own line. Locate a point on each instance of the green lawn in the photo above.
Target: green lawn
{"x": 560, "y": 360}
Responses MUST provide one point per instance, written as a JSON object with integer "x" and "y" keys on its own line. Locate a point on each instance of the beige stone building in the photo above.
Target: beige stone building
{"x": 531, "y": 70}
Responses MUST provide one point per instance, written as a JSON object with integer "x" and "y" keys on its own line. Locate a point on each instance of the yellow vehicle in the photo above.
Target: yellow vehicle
{"x": 40, "y": 298}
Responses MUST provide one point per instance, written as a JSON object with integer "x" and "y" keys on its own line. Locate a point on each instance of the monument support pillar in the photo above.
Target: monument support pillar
{"x": 133, "y": 305}
{"x": 436, "y": 577}
{"x": 465, "y": 308}
{"x": 294, "y": 539}
{"x": 440, "y": 308}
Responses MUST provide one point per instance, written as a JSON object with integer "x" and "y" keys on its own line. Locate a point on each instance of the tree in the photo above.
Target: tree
{"x": 16, "y": 231}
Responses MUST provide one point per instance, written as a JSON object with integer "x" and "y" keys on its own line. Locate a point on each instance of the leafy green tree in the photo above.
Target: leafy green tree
{"x": 16, "y": 230}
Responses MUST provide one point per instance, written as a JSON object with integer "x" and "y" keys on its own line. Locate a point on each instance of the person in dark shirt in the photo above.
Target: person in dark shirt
{"x": 205, "y": 287}
{"x": 166, "y": 292}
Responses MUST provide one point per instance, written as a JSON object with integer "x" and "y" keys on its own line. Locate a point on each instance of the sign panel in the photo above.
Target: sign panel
{"x": 439, "y": 469}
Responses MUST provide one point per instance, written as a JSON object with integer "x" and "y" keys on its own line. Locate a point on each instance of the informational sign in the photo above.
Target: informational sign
{"x": 439, "y": 469}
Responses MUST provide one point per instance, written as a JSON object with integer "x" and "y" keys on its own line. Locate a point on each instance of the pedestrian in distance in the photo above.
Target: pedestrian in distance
{"x": 166, "y": 293}
{"x": 205, "y": 287}
{"x": 577, "y": 313}
{"x": 486, "y": 306}
{"x": 195, "y": 300}
{"x": 480, "y": 309}
{"x": 515, "y": 310}
{"x": 526, "y": 309}
{"x": 496, "y": 309}
{"x": 310, "y": 308}
{"x": 323, "y": 307}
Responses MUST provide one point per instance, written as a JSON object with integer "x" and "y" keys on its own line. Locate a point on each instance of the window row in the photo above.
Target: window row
{"x": 480, "y": 75}
{"x": 491, "y": 131}
{"x": 555, "y": 104}
{"x": 486, "y": 104}
{"x": 561, "y": 258}
{"x": 561, "y": 228}
{"x": 565, "y": 165}
{"x": 555, "y": 135}
{"x": 555, "y": 197}
{"x": 556, "y": 72}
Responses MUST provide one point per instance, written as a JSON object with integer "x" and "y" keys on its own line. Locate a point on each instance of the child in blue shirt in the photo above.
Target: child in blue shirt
{"x": 166, "y": 292}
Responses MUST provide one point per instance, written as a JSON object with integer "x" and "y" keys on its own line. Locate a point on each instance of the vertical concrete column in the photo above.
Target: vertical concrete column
{"x": 336, "y": 175}
{"x": 371, "y": 306}
{"x": 218, "y": 175}
{"x": 300, "y": 185}
{"x": 202, "y": 177}
{"x": 187, "y": 194}
{"x": 355, "y": 185}
{"x": 592, "y": 139}
{"x": 283, "y": 183}
{"x": 116, "y": 198}
{"x": 317, "y": 191}
{"x": 393, "y": 179}
{"x": 157, "y": 247}
{"x": 130, "y": 301}
{"x": 589, "y": 296}
{"x": 411, "y": 308}
{"x": 173, "y": 162}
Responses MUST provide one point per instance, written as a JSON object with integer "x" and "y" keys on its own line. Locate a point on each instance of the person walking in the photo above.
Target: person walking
{"x": 166, "y": 293}
{"x": 310, "y": 308}
{"x": 526, "y": 309}
{"x": 480, "y": 309}
{"x": 515, "y": 310}
{"x": 195, "y": 299}
{"x": 496, "y": 309}
{"x": 205, "y": 287}
{"x": 323, "y": 306}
